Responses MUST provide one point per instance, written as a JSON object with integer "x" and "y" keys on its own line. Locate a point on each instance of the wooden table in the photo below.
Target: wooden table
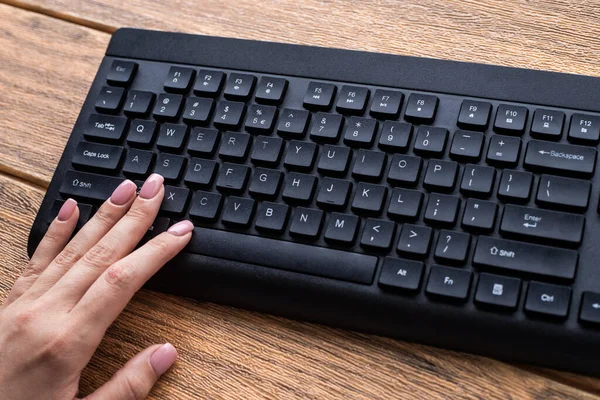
{"x": 49, "y": 53}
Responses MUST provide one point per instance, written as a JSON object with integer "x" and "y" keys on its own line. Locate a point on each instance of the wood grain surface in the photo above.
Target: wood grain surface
{"x": 49, "y": 53}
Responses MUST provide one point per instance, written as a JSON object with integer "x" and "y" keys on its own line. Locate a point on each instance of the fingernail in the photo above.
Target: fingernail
{"x": 163, "y": 358}
{"x": 67, "y": 210}
{"x": 181, "y": 228}
{"x": 123, "y": 193}
{"x": 152, "y": 186}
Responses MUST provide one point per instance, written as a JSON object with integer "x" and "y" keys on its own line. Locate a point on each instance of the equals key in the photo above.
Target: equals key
{"x": 563, "y": 193}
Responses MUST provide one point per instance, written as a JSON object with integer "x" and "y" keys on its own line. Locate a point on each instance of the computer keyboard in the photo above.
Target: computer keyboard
{"x": 447, "y": 203}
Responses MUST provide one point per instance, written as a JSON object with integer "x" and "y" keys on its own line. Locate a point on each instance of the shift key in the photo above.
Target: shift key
{"x": 88, "y": 186}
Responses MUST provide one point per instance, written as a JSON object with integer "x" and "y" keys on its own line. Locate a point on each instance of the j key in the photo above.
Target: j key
{"x": 421, "y": 108}
{"x": 547, "y": 124}
{"x": 386, "y": 103}
{"x": 326, "y": 127}
{"x": 239, "y": 86}
{"x": 352, "y": 99}
{"x": 97, "y": 156}
{"x": 260, "y": 118}
{"x": 175, "y": 200}
{"x": 205, "y": 206}
{"x": 448, "y": 282}
{"x": 171, "y": 137}
{"x": 300, "y": 155}
{"x": 229, "y": 114}
{"x": 504, "y": 150}
{"x": 306, "y": 222}
{"x": 589, "y": 311}
{"x": 267, "y": 150}
{"x": 478, "y": 180}
{"x": 235, "y": 146}
{"x": 515, "y": 186}
{"x": 510, "y": 119}
{"x": 369, "y": 199}
{"x": 524, "y": 257}
{"x": 170, "y": 166}
{"x": 299, "y": 188}
{"x": 498, "y": 291}
{"x": 341, "y": 229}
{"x": 360, "y": 132}
{"x": 138, "y": 162}
{"x": 560, "y": 158}
{"x": 334, "y": 160}
{"x": 167, "y": 106}
{"x": 271, "y": 217}
{"x": 333, "y": 193}
{"x": 378, "y": 234}
{"x": 265, "y": 183}
{"x": 200, "y": 172}
{"x": 88, "y": 186}
{"x": 548, "y": 300}
{"x": 238, "y": 211}
{"x": 105, "y": 127}
{"x": 414, "y": 240}
{"x": 452, "y": 247}
{"x": 369, "y": 165}
{"x": 85, "y": 212}
{"x": 179, "y": 79}
{"x": 232, "y": 178}
{"x": 585, "y": 129}
{"x": 203, "y": 141}
{"x": 479, "y": 216}
{"x": 401, "y": 274}
{"x": 292, "y": 123}
{"x": 159, "y": 225}
{"x": 197, "y": 110}
{"x": 431, "y": 141}
{"x": 121, "y": 72}
{"x": 270, "y": 90}
{"x": 442, "y": 210}
{"x": 466, "y": 146}
{"x": 141, "y": 133}
{"x": 319, "y": 96}
{"x": 109, "y": 99}
{"x": 209, "y": 83}
{"x": 404, "y": 170}
{"x": 441, "y": 175}
{"x": 563, "y": 193}
{"x": 138, "y": 103}
{"x": 395, "y": 136}
{"x": 405, "y": 204}
{"x": 542, "y": 224}
{"x": 474, "y": 115}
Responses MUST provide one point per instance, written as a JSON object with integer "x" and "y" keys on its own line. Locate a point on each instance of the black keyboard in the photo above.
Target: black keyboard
{"x": 447, "y": 203}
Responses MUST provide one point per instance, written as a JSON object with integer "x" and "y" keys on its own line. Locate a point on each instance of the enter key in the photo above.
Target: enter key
{"x": 542, "y": 224}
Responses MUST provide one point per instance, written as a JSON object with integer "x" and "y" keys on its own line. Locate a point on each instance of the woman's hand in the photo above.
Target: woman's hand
{"x": 58, "y": 311}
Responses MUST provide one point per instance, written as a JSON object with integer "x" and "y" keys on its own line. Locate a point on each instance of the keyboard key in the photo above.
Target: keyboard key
{"x": 341, "y": 229}
{"x": 300, "y": 155}
{"x": 369, "y": 165}
{"x": 97, "y": 156}
{"x": 235, "y": 146}
{"x": 334, "y": 160}
{"x": 333, "y": 193}
{"x": 547, "y": 124}
{"x": 479, "y": 216}
{"x": 405, "y": 204}
{"x": 395, "y": 136}
{"x": 525, "y": 257}
{"x": 175, "y": 200}
{"x": 85, "y": 213}
{"x": 232, "y": 178}
{"x": 352, "y": 99}
{"x": 584, "y": 129}
{"x": 88, "y": 186}
{"x": 105, "y": 127}
{"x": 442, "y": 210}
{"x": 474, "y": 115}
{"x": 498, "y": 291}
{"x": 397, "y": 273}
{"x": 292, "y": 123}
{"x": 299, "y": 188}
{"x": 421, "y": 108}
{"x": 478, "y": 180}
{"x": 200, "y": 172}
{"x": 160, "y": 225}
{"x": 179, "y": 79}
{"x": 267, "y": 150}
{"x": 209, "y": 83}
{"x": 109, "y": 99}
{"x": 138, "y": 162}
{"x": 563, "y": 193}
{"x": 239, "y": 86}
{"x": 229, "y": 114}
{"x": 326, "y": 127}
{"x": 541, "y": 224}
{"x": 369, "y": 199}
{"x": 430, "y": 141}
{"x": 466, "y": 146}
{"x": 171, "y": 137}
{"x": 306, "y": 223}
{"x": 590, "y": 308}
{"x": 510, "y": 119}
{"x": 378, "y": 234}
{"x": 360, "y": 132}
{"x": 515, "y": 186}
{"x": 138, "y": 103}
{"x": 319, "y": 96}
{"x": 238, "y": 211}
{"x": 141, "y": 133}
{"x": 448, "y": 282}
{"x": 167, "y": 106}
{"x": 441, "y": 175}
{"x": 203, "y": 141}
{"x": 265, "y": 183}
{"x": 386, "y": 103}
{"x": 271, "y": 90}
{"x": 452, "y": 247}
{"x": 198, "y": 110}
{"x": 121, "y": 72}
{"x": 504, "y": 150}
{"x": 272, "y": 217}
{"x": 169, "y": 166}
{"x": 205, "y": 206}
{"x": 260, "y": 118}
{"x": 414, "y": 240}
{"x": 548, "y": 300}
{"x": 404, "y": 170}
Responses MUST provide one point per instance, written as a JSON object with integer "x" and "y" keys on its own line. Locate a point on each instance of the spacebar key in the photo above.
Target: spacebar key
{"x": 312, "y": 260}
{"x": 88, "y": 186}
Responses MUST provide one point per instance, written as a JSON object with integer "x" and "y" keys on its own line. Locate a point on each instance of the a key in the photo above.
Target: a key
{"x": 260, "y": 118}
{"x": 386, "y": 103}
{"x": 97, "y": 156}
{"x": 510, "y": 119}
{"x": 198, "y": 110}
{"x": 352, "y": 99}
{"x": 431, "y": 141}
{"x": 141, "y": 133}
{"x": 299, "y": 188}
{"x": 560, "y": 158}
{"x": 179, "y": 79}
{"x": 239, "y": 86}
{"x": 478, "y": 180}
{"x": 442, "y": 210}
{"x": 563, "y": 193}
{"x": 448, "y": 282}
{"x": 300, "y": 155}
{"x": 108, "y": 128}
{"x": 452, "y": 247}
{"x": 171, "y": 137}
{"x": 441, "y": 175}
{"x": 369, "y": 165}
{"x": 405, "y": 204}
{"x": 121, "y": 72}
{"x": 271, "y": 217}
{"x": 292, "y": 123}
{"x": 88, "y": 186}
{"x": 369, "y": 199}
{"x": 395, "y": 136}
{"x": 138, "y": 162}
{"x": 238, "y": 211}
{"x": 466, "y": 146}
{"x": 498, "y": 291}
{"x": 504, "y": 150}
{"x": 169, "y": 166}
{"x": 270, "y": 90}
{"x": 326, "y": 127}
{"x": 267, "y": 150}
{"x": 404, "y": 170}
{"x": 547, "y": 124}
{"x": 341, "y": 229}
{"x": 515, "y": 186}
{"x": 203, "y": 141}
{"x": 167, "y": 106}
{"x": 360, "y": 132}
{"x": 421, "y": 108}
{"x": 200, "y": 172}
{"x": 474, "y": 115}
{"x": 397, "y": 273}
{"x": 334, "y": 160}
{"x": 319, "y": 96}
{"x": 265, "y": 183}
{"x": 138, "y": 103}
{"x": 205, "y": 206}
{"x": 306, "y": 223}
{"x": 232, "y": 178}
{"x": 209, "y": 83}
{"x": 229, "y": 114}
{"x": 548, "y": 300}
{"x": 235, "y": 146}
{"x": 109, "y": 99}
{"x": 414, "y": 240}
{"x": 584, "y": 129}
{"x": 333, "y": 193}
{"x": 378, "y": 234}
{"x": 479, "y": 215}
{"x": 175, "y": 200}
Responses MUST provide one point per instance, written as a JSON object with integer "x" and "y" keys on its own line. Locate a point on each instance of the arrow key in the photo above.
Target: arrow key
{"x": 377, "y": 234}
{"x": 590, "y": 308}
{"x": 414, "y": 240}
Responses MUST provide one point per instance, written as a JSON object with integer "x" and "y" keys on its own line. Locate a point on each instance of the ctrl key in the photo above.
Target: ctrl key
{"x": 401, "y": 274}
{"x": 449, "y": 283}
{"x": 549, "y": 300}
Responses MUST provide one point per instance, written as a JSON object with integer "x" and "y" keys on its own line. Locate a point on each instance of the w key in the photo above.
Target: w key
{"x": 563, "y": 193}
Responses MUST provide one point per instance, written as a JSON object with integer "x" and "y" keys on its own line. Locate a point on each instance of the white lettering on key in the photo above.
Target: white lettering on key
{"x": 170, "y": 132}
{"x": 269, "y": 212}
{"x": 296, "y": 182}
{"x": 304, "y": 217}
{"x": 339, "y": 223}
{"x": 365, "y": 193}
{"x": 263, "y": 177}
{"x": 197, "y": 167}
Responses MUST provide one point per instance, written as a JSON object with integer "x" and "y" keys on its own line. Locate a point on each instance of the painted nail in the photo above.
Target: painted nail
{"x": 163, "y": 358}
{"x": 152, "y": 186}
{"x": 67, "y": 210}
{"x": 123, "y": 193}
{"x": 181, "y": 228}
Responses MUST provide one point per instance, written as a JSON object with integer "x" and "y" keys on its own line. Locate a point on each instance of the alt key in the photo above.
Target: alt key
{"x": 590, "y": 308}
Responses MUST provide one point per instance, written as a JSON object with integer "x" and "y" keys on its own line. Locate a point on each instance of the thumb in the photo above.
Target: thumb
{"x": 135, "y": 380}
